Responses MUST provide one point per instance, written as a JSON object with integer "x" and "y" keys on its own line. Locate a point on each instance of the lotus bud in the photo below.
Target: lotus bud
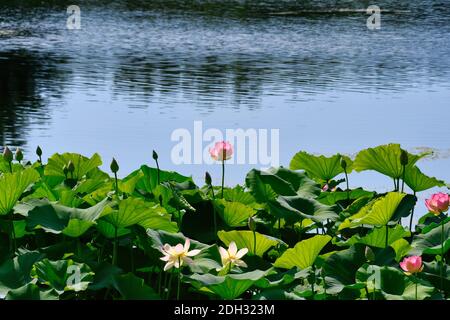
{"x": 251, "y": 224}
{"x": 155, "y": 155}
{"x": 404, "y": 158}
{"x": 208, "y": 179}
{"x": 370, "y": 256}
{"x": 7, "y": 155}
{"x": 70, "y": 166}
{"x": 343, "y": 163}
{"x": 114, "y": 166}
{"x": 19, "y": 155}
{"x": 39, "y": 151}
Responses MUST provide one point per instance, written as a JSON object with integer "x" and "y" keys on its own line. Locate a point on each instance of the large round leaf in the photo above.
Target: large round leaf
{"x": 228, "y": 287}
{"x": 320, "y": 167}
{"x": 418, "y": 181}
{"x": 245, "y": 239}
{"x": 12, "y": 185}
{"x": 304, "y": 254}
{"x": 377, "y": 212}
{"x": 235, "y": 214}
{"x": 82, "y": 164}
{"x": 384, "y": 159}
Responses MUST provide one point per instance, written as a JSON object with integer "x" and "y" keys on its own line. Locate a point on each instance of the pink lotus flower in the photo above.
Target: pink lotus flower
{"x": 412, "y": 265}
{"x": 438, "y": 203}
{"x": 223, "y": 150}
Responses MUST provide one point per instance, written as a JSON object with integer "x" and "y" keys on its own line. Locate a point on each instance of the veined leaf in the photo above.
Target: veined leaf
{"x": 132, "y": 287}
{"x": 245, "y": 239}
{"x": 12, "y": 185}
{"x": 63, "y": 275}
{"x": 430, "y": 242}
{"x": 267, "y": 185}
{"x": 235, "y": 214}
{"x": 82, "y": 164}
{"x": 304, "y": 254}
{"x": 418, "y": 181}
{"x": 297, "y": 208}
{"x": 377, "y": 212}
{"x": 55, "y": 218}
{"x": 385, "y": 159}
{"x": 230, "y": 286}
{"x": 320, "y": 167}
{"x": 131, "y": 211}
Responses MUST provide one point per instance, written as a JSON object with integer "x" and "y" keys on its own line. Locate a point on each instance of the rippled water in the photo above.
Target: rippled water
{"x": 137, "y": 70}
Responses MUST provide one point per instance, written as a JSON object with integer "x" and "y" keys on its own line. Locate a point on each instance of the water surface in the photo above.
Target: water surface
{"x": 138, "y": 70}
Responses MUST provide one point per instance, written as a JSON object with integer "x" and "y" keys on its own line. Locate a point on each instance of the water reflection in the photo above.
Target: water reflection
{"x": 24, "y": 92}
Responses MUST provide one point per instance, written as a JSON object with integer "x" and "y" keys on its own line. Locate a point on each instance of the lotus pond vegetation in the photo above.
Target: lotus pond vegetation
{"x": 69, "y": 230}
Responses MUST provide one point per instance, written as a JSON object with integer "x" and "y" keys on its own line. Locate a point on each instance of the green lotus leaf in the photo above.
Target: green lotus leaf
{"x": 82, "y": 164}
{"x": 392, "y": 283}
{"x": 136, "y": 211}
{"x": 63, "y": 275}
{"x": 377, "y": 212}
{"x": 227, "y": 287}
{"x": 320, "y": 167}
{"x": 304, "y": 254}
{"x": 401, "y": 248}
{"x": 385, "y": 159}
{"x": 150, "y": 179}
{"x": 430, "y": 242}
{"x": 31, "y": 291}
{"x": 245, "y": 239}
{"x": 331, "y": 198}
{"x": 340, "y": 268}
{"x": 55, "y": 218}
{"x": 418, "y": 181}
{"x": 15, "y": 273}
{"x": 109, "y": 231}
{"x": 12, "y": 185}
{"x": 267, "y": 185}
{"x": 298, "y": 208}
{"x": 132, "y": 287}
{"x": 377, "y": 237}
{"x": 237, "y": 194}
{"x": 235, "y": 214}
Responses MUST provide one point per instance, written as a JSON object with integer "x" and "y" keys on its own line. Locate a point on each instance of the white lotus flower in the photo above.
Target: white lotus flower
{"x": 232, "y": 256}
{"x": 175, "y": 256}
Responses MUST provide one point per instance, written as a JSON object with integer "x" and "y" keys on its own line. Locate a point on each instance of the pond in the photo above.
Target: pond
{"x": 137, "y": 71}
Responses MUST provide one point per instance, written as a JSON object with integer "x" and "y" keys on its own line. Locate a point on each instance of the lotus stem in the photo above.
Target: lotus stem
{"x": 10, "y": 167}
{"x": 416, "y": 287}
{"x": 115, "y": 247}
{"x": 116, "y": 185}
{"x": 403, "y": 178}
{"x": 223, "y": 175}
{"x": 442, "y": 258}
{"x": 348, "y": 188}
{"x": 313, "y": 278}
{"x": 412, "y": 215}
{"x": 158, "y": 170}
{"x": 179, "y": 280}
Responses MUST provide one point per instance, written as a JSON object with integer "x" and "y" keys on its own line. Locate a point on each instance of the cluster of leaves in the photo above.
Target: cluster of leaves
{"x": 75, "y": 234}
